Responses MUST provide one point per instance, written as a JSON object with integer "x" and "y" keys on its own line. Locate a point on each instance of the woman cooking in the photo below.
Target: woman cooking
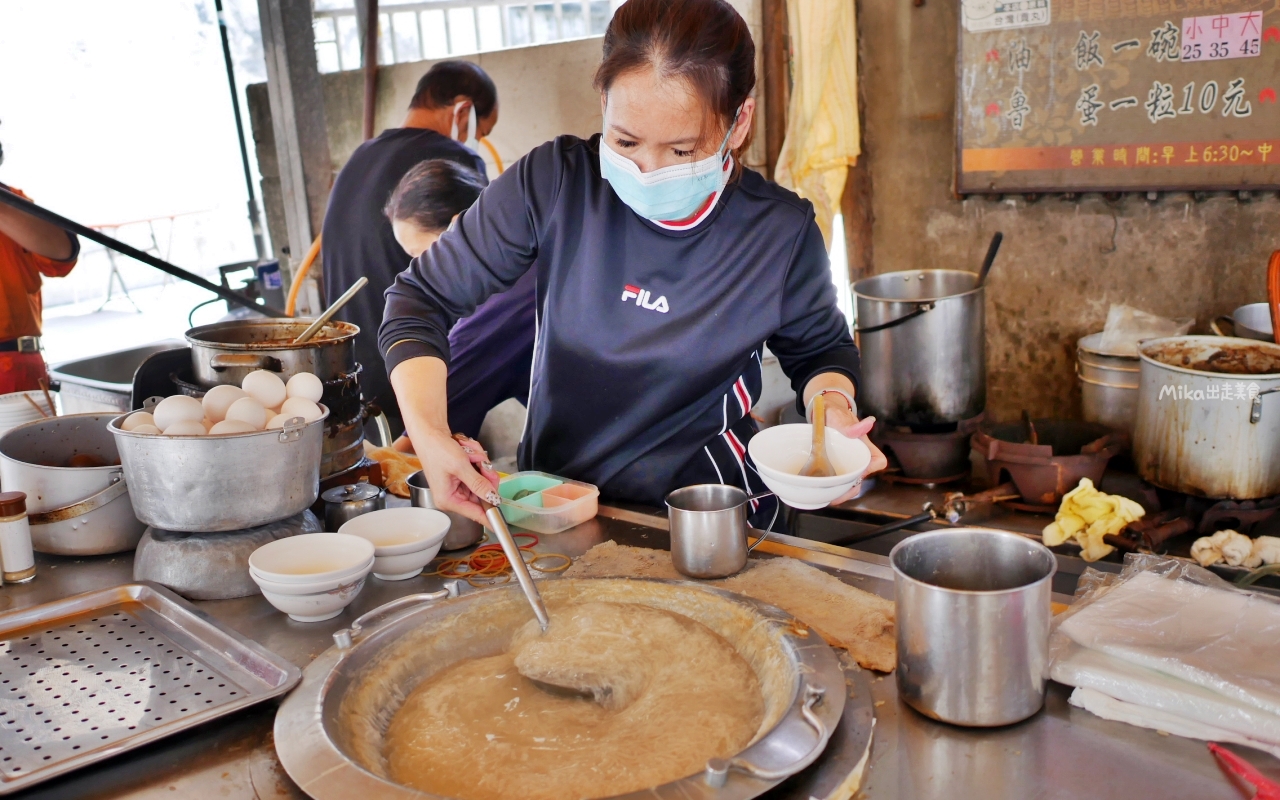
{"x": 663, "y": 268}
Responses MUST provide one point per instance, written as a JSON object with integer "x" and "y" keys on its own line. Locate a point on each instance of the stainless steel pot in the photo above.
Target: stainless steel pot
{"x": 221, "y": 483}
{"x": 709, "y": 530}
{"x": 923, "y": 343}
{"x": 973, "y": 624}
{"x": 73, "y": 511}
{"x": 1208, "y": 423}
{"x": 463, "y": 532}
{"x": 227, "y": 351}
{"x": 1108, "y": 384}
{"x": 1247, "y": 322}
{"x": 329, "y": 731}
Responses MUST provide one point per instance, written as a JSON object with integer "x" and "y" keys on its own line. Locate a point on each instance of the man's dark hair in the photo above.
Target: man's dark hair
{"x": 433, "y": 192}
{"x": 447, "y": 80}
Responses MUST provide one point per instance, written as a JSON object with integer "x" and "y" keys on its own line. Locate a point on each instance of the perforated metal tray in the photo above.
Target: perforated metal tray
{"x": 94, "y": 675}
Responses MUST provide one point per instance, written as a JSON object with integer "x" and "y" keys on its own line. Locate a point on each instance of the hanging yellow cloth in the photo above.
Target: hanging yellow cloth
{"x": 823, "y": 135}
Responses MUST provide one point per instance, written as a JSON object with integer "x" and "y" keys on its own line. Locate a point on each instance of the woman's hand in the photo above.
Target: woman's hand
{"x": 458, "y": 472}
{"x": 841, "y": 418}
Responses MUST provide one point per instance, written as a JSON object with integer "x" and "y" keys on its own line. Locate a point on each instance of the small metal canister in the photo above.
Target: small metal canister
{"x": 19, "y": 564}
{"x": 462, "y": 533}
{"x": 345, "y": 503}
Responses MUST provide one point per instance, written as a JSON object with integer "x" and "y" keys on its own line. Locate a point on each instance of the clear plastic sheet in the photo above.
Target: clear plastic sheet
{"x": 1169, "y": 637}
{"x": 1127, "y": 326}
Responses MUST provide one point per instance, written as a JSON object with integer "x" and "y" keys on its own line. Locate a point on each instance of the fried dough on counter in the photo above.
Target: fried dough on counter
{"x": 396, "y": 467}
{"x": 851, "y": 619}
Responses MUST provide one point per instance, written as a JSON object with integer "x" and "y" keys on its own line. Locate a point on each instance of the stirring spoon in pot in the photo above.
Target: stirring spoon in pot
{"x": 512, "y": 552}
{"x": 819, "y": 466}
{"x": 324, "y": 318}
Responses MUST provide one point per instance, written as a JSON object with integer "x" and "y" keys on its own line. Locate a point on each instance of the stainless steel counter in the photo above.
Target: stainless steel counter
{"x": 1062, "y": 752}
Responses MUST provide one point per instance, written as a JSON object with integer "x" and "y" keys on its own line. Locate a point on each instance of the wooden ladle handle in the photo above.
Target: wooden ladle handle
{"x": 1273, "y": 294}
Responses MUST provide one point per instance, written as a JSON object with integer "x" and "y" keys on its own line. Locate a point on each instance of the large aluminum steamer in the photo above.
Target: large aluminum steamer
{"x": 223, "y": 353}
{"x": 922, "y": 338}
{"x": 329, "y": 731}
{"x": 202, "y": 484}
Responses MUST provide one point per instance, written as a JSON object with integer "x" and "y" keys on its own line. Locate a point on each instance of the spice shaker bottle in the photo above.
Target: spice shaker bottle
{"x": 17, "y": 561}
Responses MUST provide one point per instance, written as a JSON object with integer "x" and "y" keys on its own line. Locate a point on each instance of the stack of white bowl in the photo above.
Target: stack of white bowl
{"x": 313, "y": 576}
{"x": 404, "y": 539}
{"x": 781, "y": 451}
{"x": 15, "y": 410}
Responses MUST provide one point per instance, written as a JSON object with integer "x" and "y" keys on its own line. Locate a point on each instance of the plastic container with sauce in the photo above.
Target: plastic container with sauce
{"x": 545, "y": 503}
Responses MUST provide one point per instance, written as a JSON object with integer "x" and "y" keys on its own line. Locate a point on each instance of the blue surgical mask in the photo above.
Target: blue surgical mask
{"x": 670, "y": 193}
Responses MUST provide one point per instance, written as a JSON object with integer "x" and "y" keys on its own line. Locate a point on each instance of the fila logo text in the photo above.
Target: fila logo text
{"x": 644, "y": 299}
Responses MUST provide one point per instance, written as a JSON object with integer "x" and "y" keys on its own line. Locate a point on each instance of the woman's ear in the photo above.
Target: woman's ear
{"x": 745, "y": 119}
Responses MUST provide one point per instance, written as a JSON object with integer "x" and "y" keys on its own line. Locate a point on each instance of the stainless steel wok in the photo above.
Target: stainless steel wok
{"x": 329, "y": 731}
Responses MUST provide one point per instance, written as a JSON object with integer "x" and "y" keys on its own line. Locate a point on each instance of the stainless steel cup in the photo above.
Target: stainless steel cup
{"x": 709, "y": 530}
{"x": 973, "y": 624}
{"x": 462, "y": 531}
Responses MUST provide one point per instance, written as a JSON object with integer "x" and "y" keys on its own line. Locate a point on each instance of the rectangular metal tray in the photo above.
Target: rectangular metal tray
{"x": 91, "y": 676}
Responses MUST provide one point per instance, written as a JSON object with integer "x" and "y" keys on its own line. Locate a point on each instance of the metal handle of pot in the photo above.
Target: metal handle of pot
{"x": 1213, "y": 324}
{"x": 225, "y": 361}
{"x": 79, "y": 508}
{"x": 717, "y": 771}
{"x": 292, "y": 430}
{"x": 347, "y": 636}
{"x": 1255, "y": 408}
{"x": 921, "y": 308}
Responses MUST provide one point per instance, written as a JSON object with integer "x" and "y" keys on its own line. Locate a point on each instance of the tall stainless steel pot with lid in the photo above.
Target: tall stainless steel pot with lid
{"x": 1209, "y": 416}
{"x": 923, "y": 344}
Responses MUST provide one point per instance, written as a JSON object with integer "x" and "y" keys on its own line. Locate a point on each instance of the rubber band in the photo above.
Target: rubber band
{"x": 567, "y": 562}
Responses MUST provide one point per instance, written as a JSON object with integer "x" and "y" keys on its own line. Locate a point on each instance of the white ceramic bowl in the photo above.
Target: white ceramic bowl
{"x": 312, "y": 606}
{"x": 312, "y": 586}
{"x": 780, "y": 452}
{"x": 310, "y": 558}
{"x": 404, "y": 539}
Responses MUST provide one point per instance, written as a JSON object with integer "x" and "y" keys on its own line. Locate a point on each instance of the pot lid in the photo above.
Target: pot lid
{"x": 351, "y": 493}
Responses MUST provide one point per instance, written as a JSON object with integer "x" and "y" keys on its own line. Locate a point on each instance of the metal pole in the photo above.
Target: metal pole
{"x": 371, "y": 65}
{"x": 26, "y": 206}
{"x": 255, "y": 217}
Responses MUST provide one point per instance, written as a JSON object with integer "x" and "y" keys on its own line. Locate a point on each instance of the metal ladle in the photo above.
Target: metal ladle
{"x": 320, "y": 322}
{"x": 512, "y": 551}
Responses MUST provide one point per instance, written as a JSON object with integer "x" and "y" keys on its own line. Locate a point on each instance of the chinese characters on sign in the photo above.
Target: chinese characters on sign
{"x": 1222, "y": 36}
{"x": 1088, "y": 105}
{"x": 992, "y": 15}
{"x": 1018, "y": 109}
{"x": 1164, "y": 43}
{"x": 1086, "y": 51}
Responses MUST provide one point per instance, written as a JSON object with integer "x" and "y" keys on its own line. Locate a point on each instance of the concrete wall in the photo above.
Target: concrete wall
{"x": 1063, "y": 261}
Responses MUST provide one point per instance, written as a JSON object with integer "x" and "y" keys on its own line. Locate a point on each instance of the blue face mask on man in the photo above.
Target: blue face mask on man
{"x": 671, "y": 193}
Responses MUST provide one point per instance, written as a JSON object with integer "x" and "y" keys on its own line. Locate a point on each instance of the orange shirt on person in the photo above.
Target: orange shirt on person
{"x": 21, "y": 275}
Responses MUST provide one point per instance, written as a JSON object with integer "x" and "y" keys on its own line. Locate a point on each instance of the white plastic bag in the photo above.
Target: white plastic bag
{"x": 1127, "y": 326}
{"x": 1172, "y": 638}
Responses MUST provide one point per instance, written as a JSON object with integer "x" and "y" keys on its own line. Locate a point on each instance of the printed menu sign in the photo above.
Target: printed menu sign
{"x": 1120, "y": 95}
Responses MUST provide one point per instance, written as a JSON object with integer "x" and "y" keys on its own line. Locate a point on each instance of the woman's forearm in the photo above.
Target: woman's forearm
{"x": 422, "y": 393}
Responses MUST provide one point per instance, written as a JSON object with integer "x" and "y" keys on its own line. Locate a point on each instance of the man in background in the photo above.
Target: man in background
{"x": 357, "y": 236}
{"x": 30, "y": 250}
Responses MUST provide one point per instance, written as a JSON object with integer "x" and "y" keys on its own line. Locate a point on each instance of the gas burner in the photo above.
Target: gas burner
{"x": 1243, "y": 515}
{"x": 939, "y": 454}
{"x": 895, "y": 478}
{"x": 1046, "y": 458}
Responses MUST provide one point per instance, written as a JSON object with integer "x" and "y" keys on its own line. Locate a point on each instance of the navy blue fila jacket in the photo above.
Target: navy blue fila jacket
{"x": 647, "y": 359}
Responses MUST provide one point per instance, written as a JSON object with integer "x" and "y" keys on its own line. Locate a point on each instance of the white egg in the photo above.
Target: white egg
{"x": 218, "y": 399}
{"x": 248, "y": 410}
{"x": 186, "y": 428}
{"x": 231, "y": 426}
{"x": 178, "y": 408}
{"x": 300, "y": 407}
{"x": 277, "y": 421}
{"x": 137, "y": 418}
{"x": 144, "y": 428}
{"x": 265, "y": 387}
{"x": 306, "y": 386}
